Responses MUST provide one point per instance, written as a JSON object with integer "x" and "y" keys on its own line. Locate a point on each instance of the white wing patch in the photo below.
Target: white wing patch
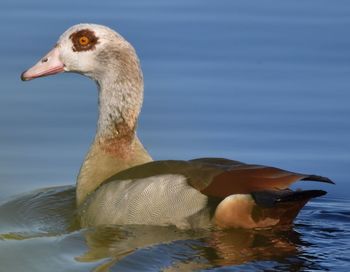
{"x": 156, "y": 200}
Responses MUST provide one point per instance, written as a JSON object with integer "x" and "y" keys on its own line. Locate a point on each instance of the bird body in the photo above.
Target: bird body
{"x": 119, "y": 183}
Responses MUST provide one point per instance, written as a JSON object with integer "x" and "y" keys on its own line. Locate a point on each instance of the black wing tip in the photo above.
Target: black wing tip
{"x": 318, "y": 178}
{"x": 302, "y": 195}
{"x": 269, "y": 199}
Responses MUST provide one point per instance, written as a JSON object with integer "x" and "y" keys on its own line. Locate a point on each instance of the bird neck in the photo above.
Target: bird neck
{"x": 116, "y": 146}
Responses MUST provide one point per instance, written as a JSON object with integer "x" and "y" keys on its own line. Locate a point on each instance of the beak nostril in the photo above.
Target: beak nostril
{"x": 44, "y": 60}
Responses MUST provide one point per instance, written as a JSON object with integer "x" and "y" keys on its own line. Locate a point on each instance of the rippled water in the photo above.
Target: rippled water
{"x": 258, "y": 81}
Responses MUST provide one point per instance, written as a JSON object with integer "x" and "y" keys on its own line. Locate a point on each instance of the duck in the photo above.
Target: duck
{"x": 120, "y": 184}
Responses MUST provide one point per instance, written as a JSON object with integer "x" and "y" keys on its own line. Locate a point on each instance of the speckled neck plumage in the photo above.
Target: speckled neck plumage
{"x": 116, "y": 146}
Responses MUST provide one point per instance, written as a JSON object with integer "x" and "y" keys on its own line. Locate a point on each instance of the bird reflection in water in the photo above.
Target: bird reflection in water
{"x": 170, "y": 249}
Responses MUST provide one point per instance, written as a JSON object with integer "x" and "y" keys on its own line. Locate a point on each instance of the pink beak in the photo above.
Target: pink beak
{"x": 48, "y": 65}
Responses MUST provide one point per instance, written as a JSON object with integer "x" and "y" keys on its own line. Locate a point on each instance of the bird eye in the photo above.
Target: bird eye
{"x": 83, "y": 40}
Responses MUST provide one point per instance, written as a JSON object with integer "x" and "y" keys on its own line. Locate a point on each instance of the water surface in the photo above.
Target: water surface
{"x": 262, "y": 82}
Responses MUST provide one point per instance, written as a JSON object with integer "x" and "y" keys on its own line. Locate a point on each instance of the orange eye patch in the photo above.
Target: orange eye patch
{"x": 84, "y": 40}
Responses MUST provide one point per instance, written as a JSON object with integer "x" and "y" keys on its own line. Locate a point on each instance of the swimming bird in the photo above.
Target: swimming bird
{"x": 119, "y": 183}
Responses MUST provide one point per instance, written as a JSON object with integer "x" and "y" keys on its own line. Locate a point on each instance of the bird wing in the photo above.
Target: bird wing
{"x": 218, "y": 177}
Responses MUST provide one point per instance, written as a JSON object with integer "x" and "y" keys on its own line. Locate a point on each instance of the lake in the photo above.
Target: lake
{"x": 264, "y": 82}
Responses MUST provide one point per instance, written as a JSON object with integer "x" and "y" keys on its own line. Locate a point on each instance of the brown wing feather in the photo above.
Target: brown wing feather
{"x": 217, "y": 177}
{"x": 250, "y": 178}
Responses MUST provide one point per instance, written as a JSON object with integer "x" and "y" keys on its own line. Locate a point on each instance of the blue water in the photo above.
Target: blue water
{"x": 264, "y": 82}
